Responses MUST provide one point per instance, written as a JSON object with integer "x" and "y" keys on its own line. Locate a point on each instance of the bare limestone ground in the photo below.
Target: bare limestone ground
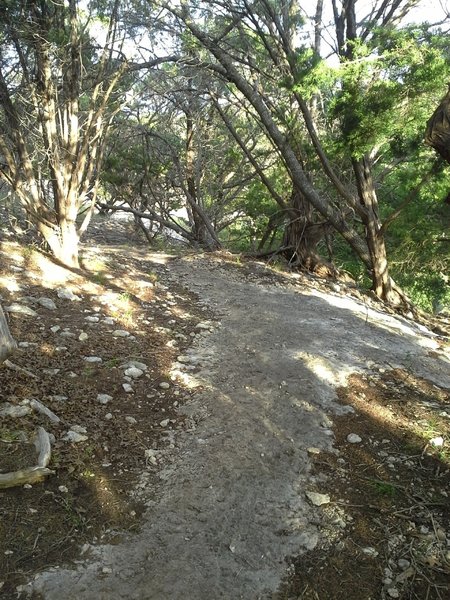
{"x": 235, "y": 479}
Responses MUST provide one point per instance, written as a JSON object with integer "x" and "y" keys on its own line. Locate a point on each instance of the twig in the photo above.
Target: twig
{"x": 15, "y": 367}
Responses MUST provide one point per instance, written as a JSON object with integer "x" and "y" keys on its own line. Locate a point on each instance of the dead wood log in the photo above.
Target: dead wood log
{"x": 31, "y": 475}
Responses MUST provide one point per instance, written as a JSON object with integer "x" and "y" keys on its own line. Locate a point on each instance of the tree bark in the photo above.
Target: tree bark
{"x": 7, "y": 342}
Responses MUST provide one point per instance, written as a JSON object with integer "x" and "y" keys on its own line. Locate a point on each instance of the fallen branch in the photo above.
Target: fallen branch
{"x": 15, "y": 367}
{"x": 31, "y": 475}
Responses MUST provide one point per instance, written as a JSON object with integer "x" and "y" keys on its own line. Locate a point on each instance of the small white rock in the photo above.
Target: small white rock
{"x": 165, "y": 422}
{"x": 47, "y": 303}
{"x": 354, "y": 438}
{"x": 21, "y": 310}
{"x": 134, "y": 372}
{"x": 63, "y": 489}
{"x": 120, "y": 333}
{"x": 317, "y": 499}
{"x": 128, "y": 388}
{"x": 437, "y": 441}
{"x": 108, "y": 416}
{"x": 74, "y": 437}
{"x": 164, "y": 385}
{"x": 93, "y": 359}
{"x": 92, "y": 319}
{"x": 403, "y": 563}
{"x": 393, "y": 593}
{"x": 131, "y": 420}
{"x": 369, "y": 551}
{"x": 83, "y": 336}
{"x": 104, "y": 398}
{"x": 67, "y": 295}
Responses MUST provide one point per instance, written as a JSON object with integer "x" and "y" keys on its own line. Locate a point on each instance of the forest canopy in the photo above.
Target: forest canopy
{"x": 314, "y": 133}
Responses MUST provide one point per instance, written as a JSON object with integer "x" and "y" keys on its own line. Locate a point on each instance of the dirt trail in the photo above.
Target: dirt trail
{"x": 232, "y": 507}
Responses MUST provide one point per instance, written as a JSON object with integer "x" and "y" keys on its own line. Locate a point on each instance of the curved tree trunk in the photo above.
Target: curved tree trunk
{"x": 302, "y": 235}
{"x": 7, "y": 342}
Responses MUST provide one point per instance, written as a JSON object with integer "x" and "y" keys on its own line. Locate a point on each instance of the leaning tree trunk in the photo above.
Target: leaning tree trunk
{"x": 302, "y": 235}
{"x": 437, "y": 134}
{"x": 7, "y": 343}
{"x": 382, "y": 283}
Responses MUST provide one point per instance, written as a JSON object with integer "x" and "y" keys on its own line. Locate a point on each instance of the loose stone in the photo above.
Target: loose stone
{"x": 47, "y": 303}
{"x": 134, "y": 372}
{"x": 21, "y": 310}
{"x": 317, "y": 499}
{"x": 93, "y": 359}
{"x": 67, "y": 295}
{"x": 74, "y": 437}
{"x": 353, "y": 438}
{"x": 104, "y": 398}
{"x": 121, "y": 333}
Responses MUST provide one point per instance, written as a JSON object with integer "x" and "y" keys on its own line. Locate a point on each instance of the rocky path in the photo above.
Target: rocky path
{"x": 232, "y": 507}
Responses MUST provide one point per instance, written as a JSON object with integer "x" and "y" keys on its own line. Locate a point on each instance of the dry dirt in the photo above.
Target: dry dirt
{"x": 274, "y": 372}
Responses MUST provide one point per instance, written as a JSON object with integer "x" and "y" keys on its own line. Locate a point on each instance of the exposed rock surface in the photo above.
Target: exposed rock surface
{"x": 243, "y": 467}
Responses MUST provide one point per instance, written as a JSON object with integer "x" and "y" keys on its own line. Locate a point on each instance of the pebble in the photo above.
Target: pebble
{"x": 353, "y": 438}
{"x": 21, "y": 310}
{"x": 92, "y": 319}
{"x": 393, "y": 593}
{"x": 93, "y": 359}
{"x": 106, "y": 570}
{"x": 63, "y": 489}
{"x": 369, "y": 551}
{"x": 59, "y": 398}
{"x": 68, "y": 334}
{"x": 67, "y": 295}
{"x": 128, "y": 388}
{"x": 135, "y": 363}
{"x": 131, "y": 420}
{"x": 51, "y": 371}
{"x": 317, "y": 499}
{"x": 120, "y": 333}
{"x": 165, "y": 422}
{"x": 313, "y": 450}
{"x": 47, "y": 303}
{"x": 74, "y": 437}
{"x": 108, "y": 416}
{"x": 10, "y": 410}
{"x": 108, "y": 321}
{"x": 78, "y": 429}
{"x": 55, "y": 328}
{"x": 104, "y": 398}
{"x": 83, "y": 336}
{"x": 134, "y": 372}
{"x": 437, "y": 441}
{"x": 164, "y": 385}
{"x": 403, "y": 563}
{"x": 182, "y": 358}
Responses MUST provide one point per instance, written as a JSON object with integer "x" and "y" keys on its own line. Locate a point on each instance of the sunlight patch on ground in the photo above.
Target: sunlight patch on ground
{"x": 323, "y": 369}
{"x": 390, "y": 323}
{"x": 10, "y": 284}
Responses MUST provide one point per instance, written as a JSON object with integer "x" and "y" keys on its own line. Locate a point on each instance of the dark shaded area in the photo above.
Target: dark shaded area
{"x": 437, "y": 133}
{"x": 385, "y": 528}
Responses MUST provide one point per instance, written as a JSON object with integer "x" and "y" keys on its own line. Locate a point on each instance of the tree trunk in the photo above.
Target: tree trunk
{"x": 7, "y": 342}
{"x": 302, "y": 235}
{"x": 63, "y": 242}
{"x": 382, "y": 283}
